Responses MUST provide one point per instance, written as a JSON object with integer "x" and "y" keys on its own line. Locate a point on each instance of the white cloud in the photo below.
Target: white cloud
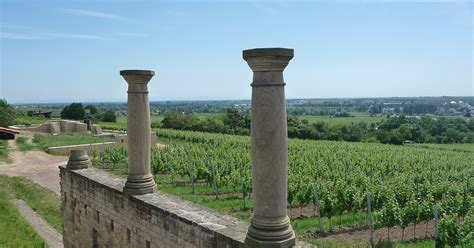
{"x": 49, "y": 36}
{"x": 89, "y": 13}
{"x": 137, "y": 35}
{"x": 72, "y": 36}
{"x": 13, "y": 26}
{"x": 14, "y": 36}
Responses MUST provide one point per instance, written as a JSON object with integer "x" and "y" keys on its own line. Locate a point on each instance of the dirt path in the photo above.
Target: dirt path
{"x": 424, "y": 230}
{"x": 37, "y": 166}
{"x": 43, "y": 228}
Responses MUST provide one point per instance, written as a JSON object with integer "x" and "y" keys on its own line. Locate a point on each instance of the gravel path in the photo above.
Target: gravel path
{"x": 46, "y": 231}
{"x": 38, "y": 166}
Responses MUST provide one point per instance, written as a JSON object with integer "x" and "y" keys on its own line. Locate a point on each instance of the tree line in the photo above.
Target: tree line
{"x": 392, "y": 130}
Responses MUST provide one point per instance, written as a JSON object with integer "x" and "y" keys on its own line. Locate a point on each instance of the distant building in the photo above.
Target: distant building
{"x": 45, "y": 114}
{"x": 388, "y": 110}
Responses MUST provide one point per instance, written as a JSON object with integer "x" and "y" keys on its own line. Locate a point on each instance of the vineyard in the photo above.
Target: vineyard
{"x": 389, "y": 186}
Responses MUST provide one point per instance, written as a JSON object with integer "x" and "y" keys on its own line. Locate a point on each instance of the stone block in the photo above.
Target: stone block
{"x": 96, "y": 129}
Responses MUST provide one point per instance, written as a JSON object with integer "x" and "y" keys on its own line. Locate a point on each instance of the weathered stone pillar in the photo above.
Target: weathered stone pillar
{"x": 78, "y": 159}
{"x": 139, "y": 180}
{"x": 269, "y": 225}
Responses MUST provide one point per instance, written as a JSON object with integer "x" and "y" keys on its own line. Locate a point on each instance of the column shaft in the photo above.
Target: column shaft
{"x": 139, "y": 179}
{"x": 269, "y": 225}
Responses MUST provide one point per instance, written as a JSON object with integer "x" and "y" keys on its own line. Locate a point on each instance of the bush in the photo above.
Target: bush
{"x": 8, "y": 114}
{"x": 109, "y": 116}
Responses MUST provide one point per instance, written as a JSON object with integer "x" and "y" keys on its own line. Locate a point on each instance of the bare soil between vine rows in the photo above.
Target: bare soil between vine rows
{"x": 424, "y": 230}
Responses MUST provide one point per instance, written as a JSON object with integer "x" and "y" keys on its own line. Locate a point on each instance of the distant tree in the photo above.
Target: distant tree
{"x": 468, "y": 114}
{"x": 470, "y": 125}
{"x": 7, "y": 114}
{"x": 452, "y": 135}
{"x": 234, "y": 118}
{"x": 405, "y": 132}
{"x": 74, "y": 111}
{"x": 92, "y": 109}
{"x": 109, "y": 116}
{"x": 179, "y": 121}
{"x": 342, "y": 114}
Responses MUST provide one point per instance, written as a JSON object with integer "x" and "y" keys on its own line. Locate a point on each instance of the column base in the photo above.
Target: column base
{"x": 139, "y": 185}
{"x": 270, "y": 233}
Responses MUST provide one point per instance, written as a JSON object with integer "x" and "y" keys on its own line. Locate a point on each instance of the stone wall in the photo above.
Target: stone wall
{"x": 97, "y": 214}
{"x": 58, "y": 126}
{"x": 66, "y": 150}
{"x": 123, "y": 138}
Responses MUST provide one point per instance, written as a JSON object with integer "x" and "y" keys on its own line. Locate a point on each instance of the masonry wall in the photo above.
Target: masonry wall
{"x": 66, "y": 150}
{"x": 97, "y": 214}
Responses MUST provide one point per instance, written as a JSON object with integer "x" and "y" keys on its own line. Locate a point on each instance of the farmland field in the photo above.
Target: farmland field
{"x": 449, "y": 147}
{"x": 405, "y": 183}
{"x": 357, "y": 117}
{"x": 155, "y": 120}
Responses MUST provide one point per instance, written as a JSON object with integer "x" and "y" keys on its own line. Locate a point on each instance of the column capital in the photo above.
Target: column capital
{"x": 137, "y": 76}
{"x": 268, "y": 59}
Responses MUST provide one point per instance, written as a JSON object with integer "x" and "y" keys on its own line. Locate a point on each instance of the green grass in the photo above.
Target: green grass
{"x": 447, "y": 147}
{"x": 348, "y": 244}
{"x": 23, "y": 144}
{"x": 30, "y": 120}
{"x": 155, "y": 121}
{"x": 14, "y": 229}
{"x": 358, "y": 117}
{"x": 43, "y": 141}
{"x": 4, "y": 151}
{"x": 229, "y": 204}
{"x": 43, "y": 201}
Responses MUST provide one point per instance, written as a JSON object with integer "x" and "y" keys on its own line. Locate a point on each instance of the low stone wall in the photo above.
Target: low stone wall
{"x": 123, "y": 139}
{"x": 95, "y": 213}
{"x": 66, "y": 150}
{"x": 57, "y": 127}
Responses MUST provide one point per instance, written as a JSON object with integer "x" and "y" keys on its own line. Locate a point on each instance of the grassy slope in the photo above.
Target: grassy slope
{"x": 43, "y": 201}
{"x": 4, "y": 151}
{"x": 23, "y": 145}
{"x": 43, "y": 141}
{"x": 14, "y": 230}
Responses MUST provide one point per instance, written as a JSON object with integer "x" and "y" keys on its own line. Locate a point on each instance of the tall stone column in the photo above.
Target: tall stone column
{"x": 269, "y": 225}
{"x": 139, "y": 180}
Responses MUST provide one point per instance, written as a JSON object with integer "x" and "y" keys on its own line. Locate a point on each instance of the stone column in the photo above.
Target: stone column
{"x": 78, "y": 159}
{"x": 269, "y": 225}
{"x": 139, "y": 180}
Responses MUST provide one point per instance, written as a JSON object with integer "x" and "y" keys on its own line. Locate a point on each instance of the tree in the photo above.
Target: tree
{"x": 74, "y": 111}
{"x": 179, "y": 121}
{"x": 8, "y": 114}
{"x": 234, "y": 119}
{"x": 109, "y": 116}
{"x": 92, "y": 109}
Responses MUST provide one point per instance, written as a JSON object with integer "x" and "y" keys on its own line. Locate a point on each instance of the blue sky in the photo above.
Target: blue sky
{"x": 64, "y": 51}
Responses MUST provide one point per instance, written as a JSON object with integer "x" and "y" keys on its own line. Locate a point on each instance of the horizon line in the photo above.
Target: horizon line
{"x": 198, "y": 99}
